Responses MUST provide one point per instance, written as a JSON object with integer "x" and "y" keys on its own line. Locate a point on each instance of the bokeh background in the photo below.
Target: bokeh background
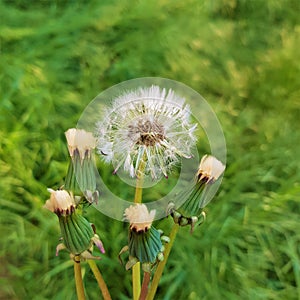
{"x": 242, "y": 56}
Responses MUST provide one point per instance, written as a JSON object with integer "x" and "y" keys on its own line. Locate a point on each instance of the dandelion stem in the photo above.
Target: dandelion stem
{"x": 136, "y": 269}
{"x": 78, "y": 278}
{"x": 100, "y": 280}
{"x": 161, "y": 264}
{"x": 139, "y": 187}
{"x": 138, "y": 195}
{"x": 136, "y": 280}
{"x": 145, "y": 285}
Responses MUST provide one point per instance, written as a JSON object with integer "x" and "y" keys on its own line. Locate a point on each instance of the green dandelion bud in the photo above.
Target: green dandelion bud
{"x": 210, "y": 169}
{"x": 81, "y": 172}
{"x": 77, "y": 233}
{"x": 144, "y": 240}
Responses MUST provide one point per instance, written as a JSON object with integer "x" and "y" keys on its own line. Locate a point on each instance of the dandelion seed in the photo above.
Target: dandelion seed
{"x": 146, "y": 130}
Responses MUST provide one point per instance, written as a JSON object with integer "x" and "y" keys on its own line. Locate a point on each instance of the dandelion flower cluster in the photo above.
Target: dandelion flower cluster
{"x": 146, "y": 131}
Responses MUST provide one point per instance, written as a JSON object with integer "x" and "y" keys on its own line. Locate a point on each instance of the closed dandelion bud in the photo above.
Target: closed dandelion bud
{"x": 144, "y": 240}
{"x": 81, "y": 172}
{"x": 210, "y": 169}
{"x": 77, "y": 233}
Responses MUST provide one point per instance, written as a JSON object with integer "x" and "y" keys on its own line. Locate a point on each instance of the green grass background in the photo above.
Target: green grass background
{"x": 242, "y": 56}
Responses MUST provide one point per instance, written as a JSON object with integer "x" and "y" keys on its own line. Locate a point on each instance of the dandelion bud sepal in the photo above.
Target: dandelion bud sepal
{"x": 192, "y": 205}
{"x": 81, "y": 178}
{"x": 190, "y": 212}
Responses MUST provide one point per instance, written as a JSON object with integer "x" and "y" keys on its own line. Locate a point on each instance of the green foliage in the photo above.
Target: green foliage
{"x": 242, "y": 56}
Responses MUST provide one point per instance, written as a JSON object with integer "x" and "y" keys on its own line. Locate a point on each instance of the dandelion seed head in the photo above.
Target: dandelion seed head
{"x": 147, "y": 127}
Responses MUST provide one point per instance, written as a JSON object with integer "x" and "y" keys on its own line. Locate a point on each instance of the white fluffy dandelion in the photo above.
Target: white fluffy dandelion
{"x": 146, "y": 131}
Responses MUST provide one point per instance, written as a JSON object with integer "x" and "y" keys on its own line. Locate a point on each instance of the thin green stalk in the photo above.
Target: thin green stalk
{"x": 136, "y": 280}
{"x": 139, "y": 190}
{"x": 136, "y": 269}
{"x": 100, "y": 280}
{"x": 161, "y": 264}
{"x": 78, "y": 278}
